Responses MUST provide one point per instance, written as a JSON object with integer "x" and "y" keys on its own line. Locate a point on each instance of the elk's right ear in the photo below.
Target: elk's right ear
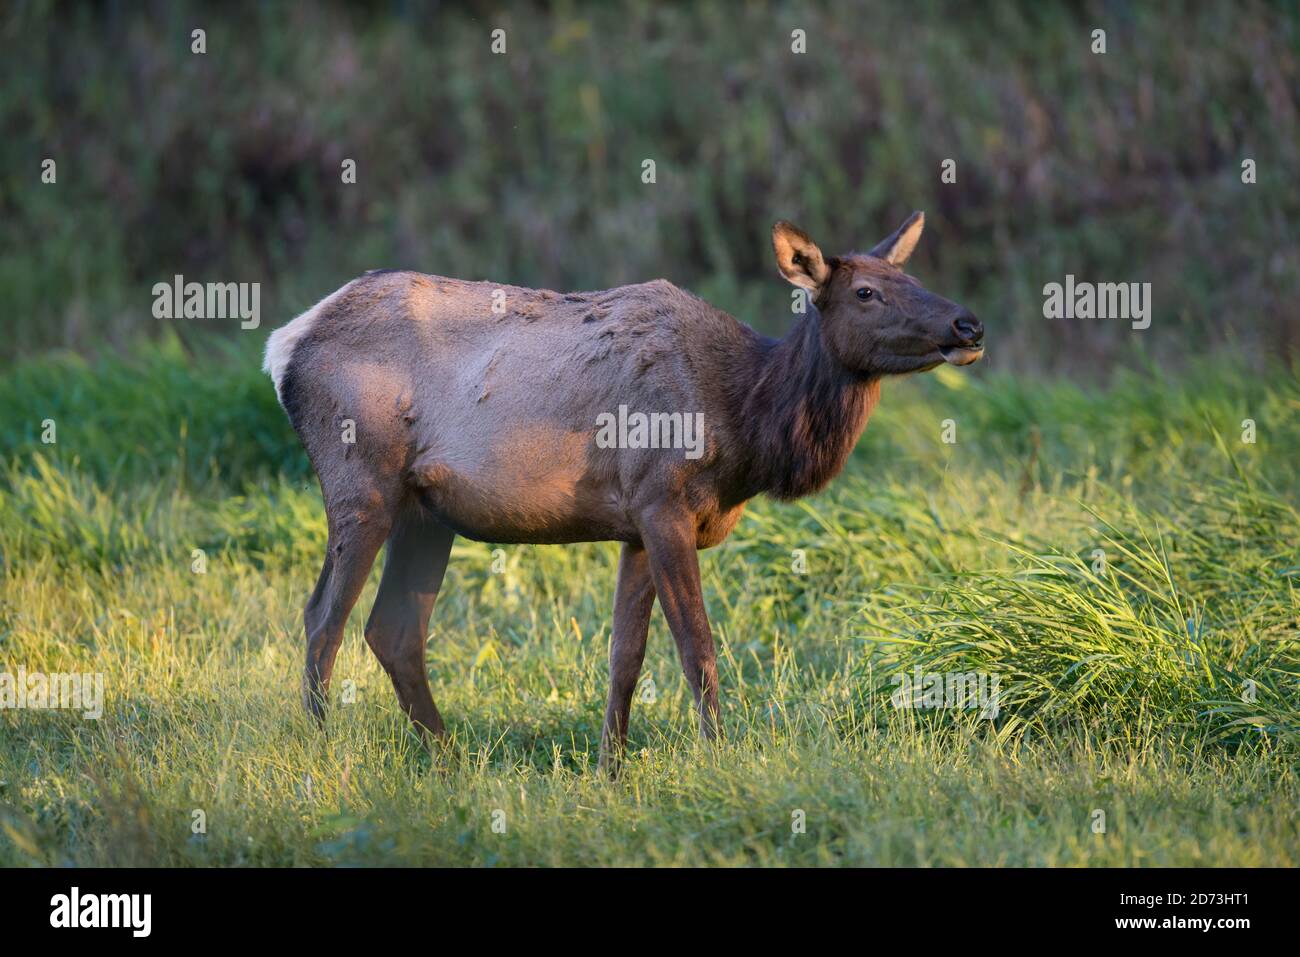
{"x": 798, "y": 257}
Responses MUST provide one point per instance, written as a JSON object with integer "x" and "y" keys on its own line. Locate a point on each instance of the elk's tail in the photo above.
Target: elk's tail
{"x": 281, "y": 343}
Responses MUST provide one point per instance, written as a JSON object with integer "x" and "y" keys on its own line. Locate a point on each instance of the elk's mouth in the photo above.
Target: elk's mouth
{"x": 962, "y": 355}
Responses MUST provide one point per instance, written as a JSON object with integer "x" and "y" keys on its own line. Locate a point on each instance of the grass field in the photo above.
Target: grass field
{"x": 1158, "y": 689}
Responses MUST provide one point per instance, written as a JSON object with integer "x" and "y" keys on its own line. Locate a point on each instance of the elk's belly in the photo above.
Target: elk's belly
{"x": 532, "y": 486}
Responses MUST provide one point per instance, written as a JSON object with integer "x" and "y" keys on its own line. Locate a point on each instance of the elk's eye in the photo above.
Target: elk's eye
{"x": 864, "y": 293}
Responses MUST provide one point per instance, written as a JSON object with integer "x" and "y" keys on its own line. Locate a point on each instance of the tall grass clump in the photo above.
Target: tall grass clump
{"x": 1154, "y": 631}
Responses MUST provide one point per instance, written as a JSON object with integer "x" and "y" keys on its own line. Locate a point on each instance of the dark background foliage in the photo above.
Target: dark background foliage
{"x": 526, "y": 168}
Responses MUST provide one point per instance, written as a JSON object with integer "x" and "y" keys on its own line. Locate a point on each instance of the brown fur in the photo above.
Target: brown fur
{"x": 482, "y": 423}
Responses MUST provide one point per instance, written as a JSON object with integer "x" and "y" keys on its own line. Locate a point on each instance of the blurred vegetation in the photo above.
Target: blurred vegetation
{"x": 526, "y": 167}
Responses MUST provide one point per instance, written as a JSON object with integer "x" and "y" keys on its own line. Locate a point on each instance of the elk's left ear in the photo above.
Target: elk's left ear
{"x": 798, "y": 257}
{"x": 897, "y": 249}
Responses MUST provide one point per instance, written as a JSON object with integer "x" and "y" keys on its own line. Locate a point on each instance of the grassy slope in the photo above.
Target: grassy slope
{"x": 1122, "y": 691}
{"x": 527, "y": 167}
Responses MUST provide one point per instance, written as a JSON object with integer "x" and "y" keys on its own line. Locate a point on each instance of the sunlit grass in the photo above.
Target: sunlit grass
{"x": 1156, "y": 684}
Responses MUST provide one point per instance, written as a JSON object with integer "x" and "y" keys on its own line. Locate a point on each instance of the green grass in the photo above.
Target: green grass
{"x": 1122, "y": 686}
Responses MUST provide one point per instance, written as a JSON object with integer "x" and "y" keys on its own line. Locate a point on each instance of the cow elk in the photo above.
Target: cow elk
{"x": 434, "y": 407}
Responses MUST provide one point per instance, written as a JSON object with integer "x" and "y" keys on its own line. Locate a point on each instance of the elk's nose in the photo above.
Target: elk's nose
{"x": 968, "y": 328}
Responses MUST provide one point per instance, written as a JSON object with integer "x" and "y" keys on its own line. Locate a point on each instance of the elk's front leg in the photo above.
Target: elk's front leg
{"x": 675, "y": 570}
{"x": 634, "y": 597}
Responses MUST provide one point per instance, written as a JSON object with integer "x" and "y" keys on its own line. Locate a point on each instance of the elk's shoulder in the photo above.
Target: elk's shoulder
{"x": 668, "y": 306}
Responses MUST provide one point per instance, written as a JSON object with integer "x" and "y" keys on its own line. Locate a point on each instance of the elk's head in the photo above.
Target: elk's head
{"x": 876, "y": 319}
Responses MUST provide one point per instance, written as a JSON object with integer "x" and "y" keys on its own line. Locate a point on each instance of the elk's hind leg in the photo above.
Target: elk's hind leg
{"x": 356, "y": 534}
{"x": 418, "y": 549}
{"x": 634, "y": 599}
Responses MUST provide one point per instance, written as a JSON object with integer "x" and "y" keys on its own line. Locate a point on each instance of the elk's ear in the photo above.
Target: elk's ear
{"x": 798, "y": 257}
{"x": 897, "y": 249}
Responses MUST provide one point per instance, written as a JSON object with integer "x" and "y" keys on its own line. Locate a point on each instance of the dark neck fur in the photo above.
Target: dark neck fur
{"x": 803, "y": 412}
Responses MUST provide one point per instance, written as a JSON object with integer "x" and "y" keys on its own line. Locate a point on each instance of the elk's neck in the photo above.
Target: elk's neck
{"x": 805, "y": 412}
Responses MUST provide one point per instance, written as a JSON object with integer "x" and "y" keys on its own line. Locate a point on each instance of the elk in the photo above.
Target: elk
{"x": 472, "y": 409}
